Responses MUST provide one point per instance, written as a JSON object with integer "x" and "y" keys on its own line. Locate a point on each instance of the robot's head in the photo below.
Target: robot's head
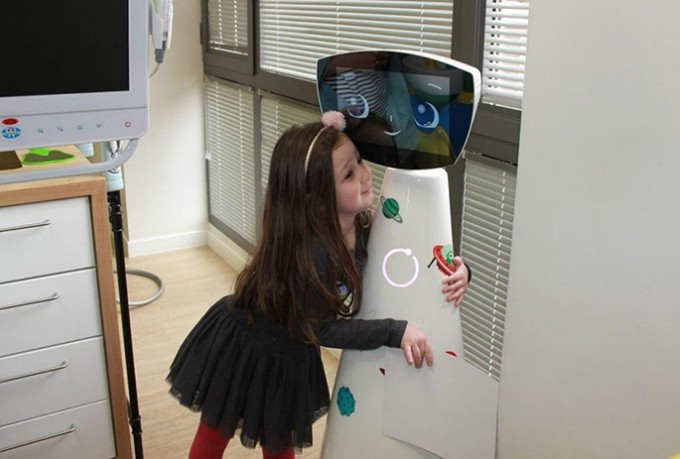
{"x": 404, "y": 110}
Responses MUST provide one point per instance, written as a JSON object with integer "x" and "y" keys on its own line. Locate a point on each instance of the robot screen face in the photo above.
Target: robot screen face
{"x": 403, "y": 110}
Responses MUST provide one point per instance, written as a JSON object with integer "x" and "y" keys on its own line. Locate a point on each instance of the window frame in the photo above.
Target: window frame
{"x": 223, "y": 64}
{"x": 495, "y": 131}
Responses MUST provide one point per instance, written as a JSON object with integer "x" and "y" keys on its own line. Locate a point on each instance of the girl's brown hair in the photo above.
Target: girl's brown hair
{"x": 281, "y": 282}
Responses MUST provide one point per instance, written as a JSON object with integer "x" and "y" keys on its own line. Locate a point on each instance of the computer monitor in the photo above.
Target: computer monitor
{"x": 406, "y": 110}
{"x": 72, "y": 72}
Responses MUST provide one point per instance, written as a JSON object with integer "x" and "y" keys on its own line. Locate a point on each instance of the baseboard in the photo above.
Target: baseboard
{"x": 234, "y": 255}
{"x": 149, "y": 246}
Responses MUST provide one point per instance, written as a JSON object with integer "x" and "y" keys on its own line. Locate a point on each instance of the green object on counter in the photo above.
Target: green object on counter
{"x": 44, "y": 156}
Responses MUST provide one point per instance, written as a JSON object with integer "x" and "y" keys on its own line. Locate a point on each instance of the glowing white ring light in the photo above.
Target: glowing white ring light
{"x": 408, "y": 253}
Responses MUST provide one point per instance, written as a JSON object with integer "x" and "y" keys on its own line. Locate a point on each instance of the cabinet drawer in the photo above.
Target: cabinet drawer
{"x": 81, "y": 433}
{"x": 48, "y": 380}
{"x": 45, "y": 238}
{"x": 49, "y": 310}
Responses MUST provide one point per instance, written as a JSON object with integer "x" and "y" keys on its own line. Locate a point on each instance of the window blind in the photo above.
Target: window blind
{"x": 295, "y": 34}
{"x": 505, "y": 41}
{"x": 277, "y": 115}
{"x": 378, "y": 177}
{"x": 488, "y": 209}
{"x": 230, "y": 154}
{"x": 228, "y": 26}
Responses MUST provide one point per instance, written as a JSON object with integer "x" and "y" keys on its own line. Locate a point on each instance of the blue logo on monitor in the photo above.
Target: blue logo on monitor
{"x": 11, "y": 132}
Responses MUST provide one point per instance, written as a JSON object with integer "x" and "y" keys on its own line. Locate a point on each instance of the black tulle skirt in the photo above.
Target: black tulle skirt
{"x": 256, "y": 379}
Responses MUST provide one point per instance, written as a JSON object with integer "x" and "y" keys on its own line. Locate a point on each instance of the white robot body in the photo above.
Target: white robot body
{"x": 402, "y": 281}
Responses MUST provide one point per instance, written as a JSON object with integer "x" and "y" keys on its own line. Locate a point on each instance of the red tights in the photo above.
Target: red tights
{"x": 210, "y": 444}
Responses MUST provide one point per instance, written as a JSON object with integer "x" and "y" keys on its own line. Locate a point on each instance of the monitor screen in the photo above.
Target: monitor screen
{"x": 73, "y": 71}
{"x": 50, "y": 50}
{"x": 404, "y": 110}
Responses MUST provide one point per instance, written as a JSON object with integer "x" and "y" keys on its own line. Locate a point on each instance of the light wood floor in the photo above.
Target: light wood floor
{"x": 194, "y": 279}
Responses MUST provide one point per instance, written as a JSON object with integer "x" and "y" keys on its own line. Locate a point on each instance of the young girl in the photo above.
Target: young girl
{"x": 253, "y": 361}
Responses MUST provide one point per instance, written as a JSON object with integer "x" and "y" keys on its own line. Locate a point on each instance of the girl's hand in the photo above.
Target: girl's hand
{"x": 415, "y": 346}
{"x": 456, "y": 284}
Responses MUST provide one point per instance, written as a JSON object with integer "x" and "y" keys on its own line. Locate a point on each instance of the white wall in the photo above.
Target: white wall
{"x": 165, "y": 184}
{"x": 591, "y": 366}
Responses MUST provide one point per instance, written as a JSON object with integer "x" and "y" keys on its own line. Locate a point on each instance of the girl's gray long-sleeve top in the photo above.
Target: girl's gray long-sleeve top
{"x": 353, "y": 333}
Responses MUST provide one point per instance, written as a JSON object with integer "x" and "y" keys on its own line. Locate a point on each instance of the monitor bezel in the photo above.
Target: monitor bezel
{"x": 135, "y": 97}
{"x": 322, "y": 65}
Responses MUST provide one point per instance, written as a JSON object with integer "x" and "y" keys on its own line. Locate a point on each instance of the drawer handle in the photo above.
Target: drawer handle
{"x": 26, "y": 226}
{"x": 52, "y": 297}
{"x": 36, "y": 440}
{"x": 61, "y": 366}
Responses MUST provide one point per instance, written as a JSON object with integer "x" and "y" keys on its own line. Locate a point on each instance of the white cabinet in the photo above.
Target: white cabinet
{"x": 45, "y": 238}
{"x": 61, "y": 381}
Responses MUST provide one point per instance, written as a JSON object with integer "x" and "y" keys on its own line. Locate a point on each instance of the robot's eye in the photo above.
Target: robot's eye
{"x": 358, "y": 106}
{"x": 426, "y": 115}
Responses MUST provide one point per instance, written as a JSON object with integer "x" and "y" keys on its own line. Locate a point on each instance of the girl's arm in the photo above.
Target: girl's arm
{"x": 371, "y": 334}
{"x": 362, "y": 334}
{"x": 456, "y": 284}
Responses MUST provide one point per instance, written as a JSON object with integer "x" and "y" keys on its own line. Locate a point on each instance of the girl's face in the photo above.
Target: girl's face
{"x": 353, "y": 185}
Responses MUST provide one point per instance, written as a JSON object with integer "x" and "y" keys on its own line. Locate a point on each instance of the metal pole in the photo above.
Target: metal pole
{"x": 116, "y": 219}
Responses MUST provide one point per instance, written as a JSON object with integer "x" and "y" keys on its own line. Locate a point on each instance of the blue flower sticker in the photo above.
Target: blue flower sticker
{"x": 346, "y": 402}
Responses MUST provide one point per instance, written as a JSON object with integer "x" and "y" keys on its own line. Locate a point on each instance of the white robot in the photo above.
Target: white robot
{"x": 411, "y": 112}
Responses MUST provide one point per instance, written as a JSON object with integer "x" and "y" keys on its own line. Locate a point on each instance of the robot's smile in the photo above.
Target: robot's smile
{"x": 392, "y": 133}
